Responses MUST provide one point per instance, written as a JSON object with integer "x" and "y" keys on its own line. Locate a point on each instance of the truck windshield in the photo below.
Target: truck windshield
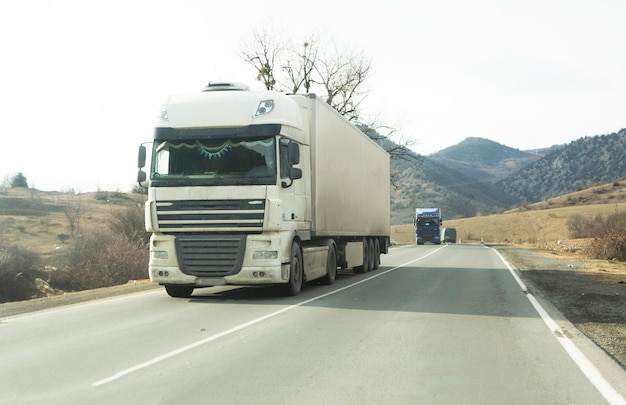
{"x": 216, "y": 161}
{"x": 427, "y": 222}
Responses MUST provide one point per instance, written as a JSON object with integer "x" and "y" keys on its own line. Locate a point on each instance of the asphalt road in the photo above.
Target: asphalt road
{"x": 434, "y": 325}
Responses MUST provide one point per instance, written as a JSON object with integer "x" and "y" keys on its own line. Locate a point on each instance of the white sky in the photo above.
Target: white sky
{"x": 81, "y": 81}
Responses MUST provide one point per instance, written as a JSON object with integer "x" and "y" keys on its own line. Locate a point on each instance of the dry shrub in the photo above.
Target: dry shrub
{"x": 580, "y": 226}
{"x": 104, "y": 260}
{"x": 17, "y": 270}
{"x": 113, "y": 264}
{"x": 129, "y": 223}
{"x": 609, "y": 240}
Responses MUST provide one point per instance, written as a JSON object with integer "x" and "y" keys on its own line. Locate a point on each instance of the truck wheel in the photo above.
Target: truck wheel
{"x": 366, "y": 258}
{"x": 376, "y": 253}
{"x": 372, "y": 255}
{"x": 296, "y": 273}
{"x": 331, "y": 266}
{"x": 179, "y": 291}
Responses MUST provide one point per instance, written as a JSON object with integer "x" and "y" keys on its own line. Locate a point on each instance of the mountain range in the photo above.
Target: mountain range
{"x": 479, "y": 177}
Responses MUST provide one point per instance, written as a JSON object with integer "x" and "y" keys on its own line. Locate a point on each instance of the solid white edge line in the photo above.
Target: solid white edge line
{"x": 191, "y": 346}
{"x": 589, "y": 370}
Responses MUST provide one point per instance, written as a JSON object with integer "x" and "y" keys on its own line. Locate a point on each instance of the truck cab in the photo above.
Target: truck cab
{"x": 427, "y": 224}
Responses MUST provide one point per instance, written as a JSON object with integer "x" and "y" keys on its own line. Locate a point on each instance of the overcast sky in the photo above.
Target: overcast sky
{"x": 81, "y": 81}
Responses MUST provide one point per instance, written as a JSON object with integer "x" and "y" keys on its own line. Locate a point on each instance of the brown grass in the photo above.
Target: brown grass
{"x": 37, "y": 229}
{"x": 539, "y": 228}
{"x": 541, "y": 225}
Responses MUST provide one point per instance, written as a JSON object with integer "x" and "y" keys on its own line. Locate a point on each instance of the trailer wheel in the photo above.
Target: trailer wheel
{"x": 376, "y": 254}
{"x": 331, "y": 266}
{"x": 366, "y": 258}
{"x": 372, "y": 256}
{"x": 296, "y": 273}
{"x": 179, "y": 291}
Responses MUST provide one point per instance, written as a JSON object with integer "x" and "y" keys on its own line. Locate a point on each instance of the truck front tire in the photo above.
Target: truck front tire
{"x": 179, "y": 291}
{"x": 296, "y": 272}
{"x": 331, "y": 266}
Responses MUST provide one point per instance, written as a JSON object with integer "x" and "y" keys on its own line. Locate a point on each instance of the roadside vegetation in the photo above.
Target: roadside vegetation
{"x": 52, "y": 243}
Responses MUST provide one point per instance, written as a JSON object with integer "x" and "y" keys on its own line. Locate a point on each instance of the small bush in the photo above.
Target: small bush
{"x": 87, "y": 245}
{"x": 129, "y": 223}
{"x": 102, "y": 195}
{"x": 17, "y": 270}
{"x": 113, "y": 264}
{"x": 609, "y": 240}
{"x": 139, "y": 189}
{"x": 579, "y": 226}
{"x": 103, "y": 260}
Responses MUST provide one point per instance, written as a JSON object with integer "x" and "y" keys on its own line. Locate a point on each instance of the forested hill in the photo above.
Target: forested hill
{"x": 580, "y": 164}
{"x": 483, "y": 159}
{"x": 431, "y": 184}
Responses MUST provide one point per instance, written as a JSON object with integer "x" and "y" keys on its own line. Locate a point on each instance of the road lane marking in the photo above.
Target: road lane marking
{"x": 230, "y": 331}
{"x": 589, "y": 370}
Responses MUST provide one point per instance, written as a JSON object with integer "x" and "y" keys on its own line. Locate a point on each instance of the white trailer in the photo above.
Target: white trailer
{"x": 261, "y": 188}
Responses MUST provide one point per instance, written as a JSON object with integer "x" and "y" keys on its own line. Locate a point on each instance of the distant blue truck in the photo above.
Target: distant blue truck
{"x": 427, "y": 225}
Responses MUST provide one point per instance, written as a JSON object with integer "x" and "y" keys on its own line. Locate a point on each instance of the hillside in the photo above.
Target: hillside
{"x": 35, "y": 218}
{"x": 580, "y": 164}
{"x": 432, "y": 184}
{"x": 459, "y": 179}
{"x": 484, "y": 160}
{"x": 478, "y": 176}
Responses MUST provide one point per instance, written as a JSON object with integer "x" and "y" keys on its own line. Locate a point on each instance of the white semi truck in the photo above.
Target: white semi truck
{"x": 261, "y": 188}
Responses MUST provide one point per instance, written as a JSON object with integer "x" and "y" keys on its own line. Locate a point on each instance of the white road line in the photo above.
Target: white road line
{"x": 591, "y": 372}
{"x": 191, "y": 346}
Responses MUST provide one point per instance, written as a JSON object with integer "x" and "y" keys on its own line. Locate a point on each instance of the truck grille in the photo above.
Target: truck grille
{"x": 427, "y": 234}
{"x": 211, "y": 215}
{"x": 210, "y": 255}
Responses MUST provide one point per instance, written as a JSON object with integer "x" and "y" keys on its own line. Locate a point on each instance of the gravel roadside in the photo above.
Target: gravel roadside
{"x": 39, "y": 304}
{"x": 590, "y": 294}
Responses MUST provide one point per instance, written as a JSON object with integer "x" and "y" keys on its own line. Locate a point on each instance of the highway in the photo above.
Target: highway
{"x": 449, "y": 324}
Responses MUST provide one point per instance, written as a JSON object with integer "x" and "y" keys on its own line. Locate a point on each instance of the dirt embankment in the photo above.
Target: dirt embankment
{"x": 38, "y": 304}
{"x": 591, "y": 294}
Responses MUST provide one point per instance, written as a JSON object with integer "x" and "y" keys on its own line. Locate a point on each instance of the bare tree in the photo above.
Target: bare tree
{"x": 337, "y": 74}
{"x": 397, "y": 147}
{"x": 342, "y": 74}
{"x": 300, "y": 67}
{"x": 73, "y": 213}
{"x": 263, "y": 52}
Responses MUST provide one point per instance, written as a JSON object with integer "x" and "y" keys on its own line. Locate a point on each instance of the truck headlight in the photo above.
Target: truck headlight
{"x": 160, "y": 254}
{"x": 265, "y": 107}
{"x": 265, "y": 254}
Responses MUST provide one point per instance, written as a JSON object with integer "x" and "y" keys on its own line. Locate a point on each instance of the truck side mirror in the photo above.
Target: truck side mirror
{"x": 141, "y": 158}
{"x": 295, "y": 173}
{"x": 141, "y": 177}
{"x": 294, "y": 154}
